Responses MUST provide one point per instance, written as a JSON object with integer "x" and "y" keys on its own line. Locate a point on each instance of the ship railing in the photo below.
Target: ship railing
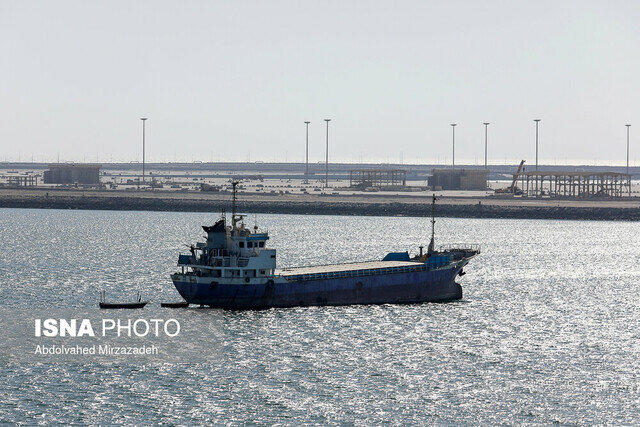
{"x": 452, "y": 247}
{"x": 337, "y": 263}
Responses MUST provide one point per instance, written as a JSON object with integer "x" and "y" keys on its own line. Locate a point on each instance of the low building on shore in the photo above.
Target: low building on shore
{"x": 72, "y": 173}
{"x": 458, "y": 179}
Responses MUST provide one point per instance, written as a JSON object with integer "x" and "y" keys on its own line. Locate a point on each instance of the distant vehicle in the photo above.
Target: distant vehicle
{"x": 210, "y": 188}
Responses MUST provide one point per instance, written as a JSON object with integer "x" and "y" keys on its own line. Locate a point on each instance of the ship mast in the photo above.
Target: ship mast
{"x": 433, "y": 225}
{"x": 233, "y": 205}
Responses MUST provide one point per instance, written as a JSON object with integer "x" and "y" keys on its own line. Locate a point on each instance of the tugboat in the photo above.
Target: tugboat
{"x": 235, "y": 269}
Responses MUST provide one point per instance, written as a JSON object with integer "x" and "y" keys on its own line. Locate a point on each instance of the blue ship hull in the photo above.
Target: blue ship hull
{"x": 397, "y": 288}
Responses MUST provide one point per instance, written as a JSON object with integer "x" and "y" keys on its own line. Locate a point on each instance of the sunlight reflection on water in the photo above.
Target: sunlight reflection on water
{"x": 547, "y": 330}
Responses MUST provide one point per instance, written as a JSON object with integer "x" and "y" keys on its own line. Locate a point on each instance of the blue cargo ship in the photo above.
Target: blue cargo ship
{"x": 235, "y": 269}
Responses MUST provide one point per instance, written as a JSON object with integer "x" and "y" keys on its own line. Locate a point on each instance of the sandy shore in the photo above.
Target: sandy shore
{"x": 378, "y": 204}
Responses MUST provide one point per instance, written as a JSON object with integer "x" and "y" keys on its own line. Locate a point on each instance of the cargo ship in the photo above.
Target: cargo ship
{"x": 236, "y": 269}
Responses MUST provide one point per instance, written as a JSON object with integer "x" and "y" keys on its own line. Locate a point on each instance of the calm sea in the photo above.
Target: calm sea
{"x": 548, "y": 330}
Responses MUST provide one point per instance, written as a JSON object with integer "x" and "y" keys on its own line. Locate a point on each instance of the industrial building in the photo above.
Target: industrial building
{"x": 71, "y": 173}
{"x": 576, "y": 184}
{"x": 458, "y": 179}
{"x": 365, "y": 178}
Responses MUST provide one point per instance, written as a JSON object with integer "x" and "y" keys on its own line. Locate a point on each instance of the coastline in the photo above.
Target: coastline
{"x": 375, "y": 205}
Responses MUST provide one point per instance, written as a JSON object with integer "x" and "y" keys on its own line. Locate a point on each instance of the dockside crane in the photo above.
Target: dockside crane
{"x": 513, "y": 189}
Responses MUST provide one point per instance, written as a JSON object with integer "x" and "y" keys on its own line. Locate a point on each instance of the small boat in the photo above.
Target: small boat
{"x": 137, "y": 304}
{"x": 123, "y": 304}
{"x": 182, "y": 304}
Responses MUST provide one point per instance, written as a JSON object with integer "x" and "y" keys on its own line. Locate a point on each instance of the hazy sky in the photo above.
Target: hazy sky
{"x": 229, "y": 80}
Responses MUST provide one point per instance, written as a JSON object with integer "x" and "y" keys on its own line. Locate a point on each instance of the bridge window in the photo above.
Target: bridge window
{"x": 261, "y": 244}
{"x": 249, "y": 244}
{"x": 241, "y": 244}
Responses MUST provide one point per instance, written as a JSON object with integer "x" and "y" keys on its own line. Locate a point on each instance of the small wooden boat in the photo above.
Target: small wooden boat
{"x": 137, "y": 304}
{"x": 182, "y": 304}
{"x": 123, "y": 304}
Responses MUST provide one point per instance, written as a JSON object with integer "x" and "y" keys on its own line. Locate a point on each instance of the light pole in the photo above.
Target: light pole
{"x": 486, "y": 125}
{"x": 306, "y": 174}
{"x": 628, "y": 176}
{"x": 326, "y": 168}
{"x": 537, "y": 123}
{"x": 453, "y": 129}
{"x": 628, "y": 126}
{"x": 144, "y": 119}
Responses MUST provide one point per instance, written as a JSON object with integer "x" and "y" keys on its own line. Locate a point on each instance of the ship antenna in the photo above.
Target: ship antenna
{"x": 433, "y": 225}
{"x": 233, "y": 204}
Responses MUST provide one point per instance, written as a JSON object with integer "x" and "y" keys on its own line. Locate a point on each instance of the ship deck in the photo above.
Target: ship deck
{"x": 349, "y": 270}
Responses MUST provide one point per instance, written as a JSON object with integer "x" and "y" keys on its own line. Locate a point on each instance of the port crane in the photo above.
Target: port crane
{"x": 513, "y": 189}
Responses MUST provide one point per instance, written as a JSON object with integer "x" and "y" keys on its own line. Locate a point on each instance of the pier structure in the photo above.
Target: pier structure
{"x": 21, "y": 180}
{"x": 576, "y": 184}
{"x": 377, "y": 178}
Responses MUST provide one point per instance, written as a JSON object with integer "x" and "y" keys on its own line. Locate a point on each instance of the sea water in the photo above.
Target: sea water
{"x": 548, "y": 330}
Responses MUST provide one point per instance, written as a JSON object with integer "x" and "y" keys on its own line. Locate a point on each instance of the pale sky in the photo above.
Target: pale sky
{"x": 233, "y": 79}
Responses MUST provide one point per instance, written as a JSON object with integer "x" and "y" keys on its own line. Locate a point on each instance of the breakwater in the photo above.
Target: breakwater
{"x": 318, "y": 206}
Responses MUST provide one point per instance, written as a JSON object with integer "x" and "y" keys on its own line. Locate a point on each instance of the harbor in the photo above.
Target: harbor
{"x": 319, "y": 213}
{"x": 456, "y": 206}
{"x": 507, "y": 191}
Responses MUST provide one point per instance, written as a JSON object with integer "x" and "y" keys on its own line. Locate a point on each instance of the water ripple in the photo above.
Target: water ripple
{"x": 547, "y": 331}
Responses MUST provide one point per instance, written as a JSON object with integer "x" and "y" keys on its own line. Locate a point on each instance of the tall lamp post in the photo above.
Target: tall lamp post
{"x": 486, "y": 126}
{"x": 537, "y": 123}
{"x": 326, "y": 168}
{"x": 453, "y": 129}
{"x": 628, "y": 126}
{"x": 628, "y": 176}
{"x": 144, "y": 119}
{"x": 306, "y": 173}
